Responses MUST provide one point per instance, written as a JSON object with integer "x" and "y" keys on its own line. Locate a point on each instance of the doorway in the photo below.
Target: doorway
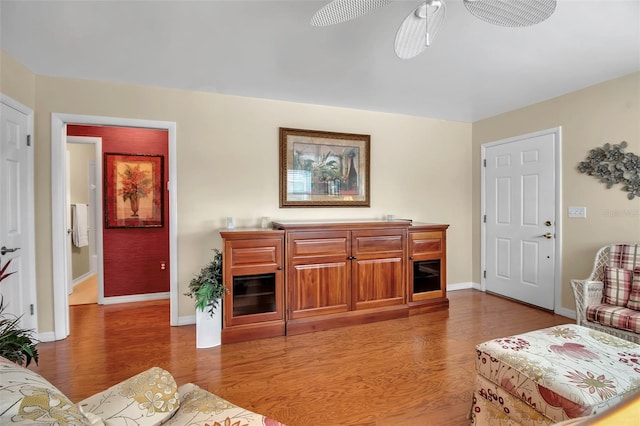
{"x": 521, "y": 206}
{"x": 84, "y": 196}
{"x": 59, "y": 124}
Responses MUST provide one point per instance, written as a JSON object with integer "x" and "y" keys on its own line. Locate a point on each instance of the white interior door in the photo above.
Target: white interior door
{"x": 520, "y": 198}
{"x": 16, "y": 214}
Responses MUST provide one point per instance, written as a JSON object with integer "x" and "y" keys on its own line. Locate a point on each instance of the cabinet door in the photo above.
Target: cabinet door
{"x": 254, "y": 281}
{"x": 378, "y": 268}
{"x": 318, "y": 273}
{"x": 427, "y": 265}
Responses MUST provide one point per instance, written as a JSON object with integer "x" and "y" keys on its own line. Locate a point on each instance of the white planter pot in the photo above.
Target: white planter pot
{"x": 208, "y": 328}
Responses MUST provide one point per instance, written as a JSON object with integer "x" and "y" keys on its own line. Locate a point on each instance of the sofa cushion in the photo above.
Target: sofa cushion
{"x": 149, "y": 398}
{"x": 634, "y": 295}
{"x": 617, "y": 286}
{"x": 199, "y": 407}
{"x": 625, "y": 256}
{"x": 615, "y": 316}
{"x": 27, "y": 398}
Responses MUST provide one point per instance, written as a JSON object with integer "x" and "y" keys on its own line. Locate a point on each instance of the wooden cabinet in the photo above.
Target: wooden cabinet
{"x": 335, "y": 274}
{"x": 344, "y": 273}
{"x": 427, "y": 283}
{"x": 253, "y": 272}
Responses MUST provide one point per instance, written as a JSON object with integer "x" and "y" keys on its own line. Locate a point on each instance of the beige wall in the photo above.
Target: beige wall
{"x": 16, "y": 81}
{"x": 227, "y": 155}
{"x": 607, "y": 112}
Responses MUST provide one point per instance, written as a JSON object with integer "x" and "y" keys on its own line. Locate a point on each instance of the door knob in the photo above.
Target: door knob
{"x": 5, "y": 250}
{"x": 548, "y": 235}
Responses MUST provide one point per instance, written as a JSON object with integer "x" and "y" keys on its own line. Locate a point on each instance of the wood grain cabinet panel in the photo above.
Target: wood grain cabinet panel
{"x": 378, "y": 261}
{"x": 253, "y": 272}
{"x": 427, "y": 272}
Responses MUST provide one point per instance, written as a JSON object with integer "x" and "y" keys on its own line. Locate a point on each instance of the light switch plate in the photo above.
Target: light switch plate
{"x": 579, "y": 212}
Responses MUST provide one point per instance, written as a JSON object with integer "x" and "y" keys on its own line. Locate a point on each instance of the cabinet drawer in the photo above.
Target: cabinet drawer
{"x": 377, "y": 244}
{"x": 248, "y": 253}
{"x": 425, "y": 242}
{"x": 306, "y": 244}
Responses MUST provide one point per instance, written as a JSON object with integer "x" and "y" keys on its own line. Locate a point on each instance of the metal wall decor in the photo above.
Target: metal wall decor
{"x": 611, "y": 165}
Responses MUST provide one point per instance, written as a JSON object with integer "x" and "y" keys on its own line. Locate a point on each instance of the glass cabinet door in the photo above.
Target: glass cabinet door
{"x": 254, "y": 294}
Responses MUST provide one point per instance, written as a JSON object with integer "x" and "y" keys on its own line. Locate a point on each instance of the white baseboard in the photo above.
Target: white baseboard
{"x": 565, "y": 312}
{"x": 135, "y": 298}
{"x": 48, "y": 336}
{"x": 81, "y": 278}
{"x": 459, "y": 286}
{"x": 189, "y": 319}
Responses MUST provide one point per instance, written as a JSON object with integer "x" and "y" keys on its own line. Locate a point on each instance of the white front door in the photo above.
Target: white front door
{"x": 16, "y": 213}
{"x": 520, "y": 199}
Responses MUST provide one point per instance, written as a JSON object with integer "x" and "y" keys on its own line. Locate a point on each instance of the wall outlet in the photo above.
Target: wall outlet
{"x": 580, "y": 212}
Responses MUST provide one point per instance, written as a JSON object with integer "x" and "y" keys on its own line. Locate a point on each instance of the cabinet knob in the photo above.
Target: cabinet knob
{"x": 279, "y": 268}
{"x": 410, "y": 257}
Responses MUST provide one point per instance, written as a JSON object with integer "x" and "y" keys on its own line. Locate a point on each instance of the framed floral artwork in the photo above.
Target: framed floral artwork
{"x": 323, "y": 169}
{"x": 133, "y": 190}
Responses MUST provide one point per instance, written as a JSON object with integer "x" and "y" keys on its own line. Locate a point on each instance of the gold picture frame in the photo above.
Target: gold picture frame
{"x": 324, "y": 169}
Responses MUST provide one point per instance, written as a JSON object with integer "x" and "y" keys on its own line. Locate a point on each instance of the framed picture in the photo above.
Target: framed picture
{"x": 133, "y": 195}
{"x": 323, "y": 169}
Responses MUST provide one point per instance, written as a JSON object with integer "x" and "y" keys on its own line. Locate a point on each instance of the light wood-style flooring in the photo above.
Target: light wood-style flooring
{"x": 410, "y": 371}
{"x": 85, "y": 292}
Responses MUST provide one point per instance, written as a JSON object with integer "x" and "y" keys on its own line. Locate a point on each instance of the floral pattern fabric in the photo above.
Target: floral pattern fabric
{"x": 561, "y": 372}
{"x": 199, "y": 407}
{"x": 148, "y": 398}
{"x": 27, "y": 398}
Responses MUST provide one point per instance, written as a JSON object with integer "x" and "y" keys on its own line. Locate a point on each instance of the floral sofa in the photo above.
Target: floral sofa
{"x": 609, "y": 300}
{"x": 149, "y": 398}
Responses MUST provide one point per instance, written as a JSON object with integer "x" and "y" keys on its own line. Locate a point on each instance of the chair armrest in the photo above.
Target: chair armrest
{"x": 586, "y": 293}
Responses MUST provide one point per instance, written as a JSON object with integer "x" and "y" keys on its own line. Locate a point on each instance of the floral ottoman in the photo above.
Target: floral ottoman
{"x": 551, "y": 375}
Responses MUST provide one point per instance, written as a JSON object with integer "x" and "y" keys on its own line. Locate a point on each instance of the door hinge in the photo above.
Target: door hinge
{"x": 484, "y": 273}
{"x": 485, "y": 218}
{"x": 31, "y": 308}
{"x": 28, "y": 140}
{"x": 484, "y": 162}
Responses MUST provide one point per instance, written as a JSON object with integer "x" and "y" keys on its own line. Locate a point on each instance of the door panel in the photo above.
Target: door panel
{"x": 17, "y": 290}
{"x": 520, "y": 198}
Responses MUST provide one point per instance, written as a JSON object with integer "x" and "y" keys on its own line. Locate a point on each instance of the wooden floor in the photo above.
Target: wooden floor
{"x": 410, "y": 371}
{"x": 85, "y": 292}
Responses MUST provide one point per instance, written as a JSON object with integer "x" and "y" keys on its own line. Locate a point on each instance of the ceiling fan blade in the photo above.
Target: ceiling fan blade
{"x": 511, "y": 13}
{"x": 412, "y": 38}
{"x": 344, "y": 10}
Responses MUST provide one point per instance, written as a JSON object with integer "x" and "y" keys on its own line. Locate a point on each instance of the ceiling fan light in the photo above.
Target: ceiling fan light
{"x": 511, "y": 13}
{"x": 344, "y": 10}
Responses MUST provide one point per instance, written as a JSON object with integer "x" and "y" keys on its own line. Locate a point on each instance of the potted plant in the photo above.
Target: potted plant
{"x": 207, "y": 289}
{"x": 16, "y": 344}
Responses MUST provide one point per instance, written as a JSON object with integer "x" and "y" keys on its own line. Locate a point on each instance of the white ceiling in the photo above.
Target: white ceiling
{"x": 268, "y": 49}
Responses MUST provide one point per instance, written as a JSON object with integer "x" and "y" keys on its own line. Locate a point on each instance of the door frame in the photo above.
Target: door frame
{"x": 96, "y": 225}
{"x": 557, "y": 133}
{"x": 59, "y": 123}
{"x": 29, "y": 220}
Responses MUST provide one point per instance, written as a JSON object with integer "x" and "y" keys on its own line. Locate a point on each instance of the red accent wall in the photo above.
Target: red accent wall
{"x": 132, "y": 256}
